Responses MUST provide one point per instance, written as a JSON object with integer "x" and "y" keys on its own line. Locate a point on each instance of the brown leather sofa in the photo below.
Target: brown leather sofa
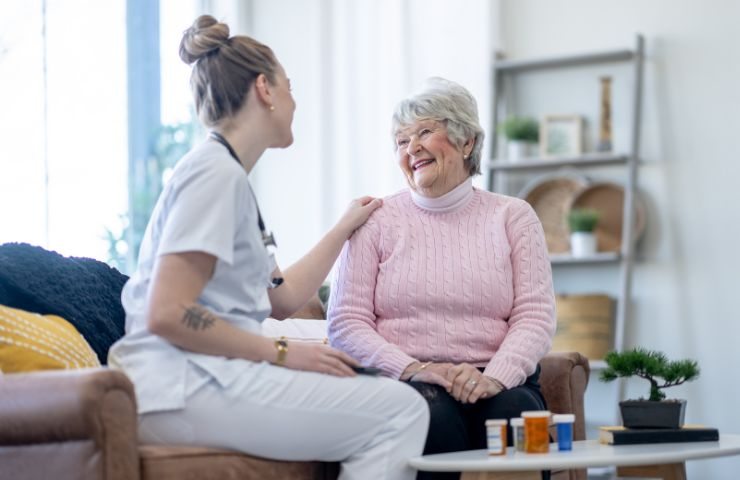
{"x": 82, "y": 425}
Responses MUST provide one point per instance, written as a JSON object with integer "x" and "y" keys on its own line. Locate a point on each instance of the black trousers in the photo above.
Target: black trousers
{"x": 455, "y": 426}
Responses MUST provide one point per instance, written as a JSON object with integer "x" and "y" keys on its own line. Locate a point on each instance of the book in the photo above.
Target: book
{"x": 634, "y": 436}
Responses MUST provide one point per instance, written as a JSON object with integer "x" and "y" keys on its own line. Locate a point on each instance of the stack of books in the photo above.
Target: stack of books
{"x": 635, "y": 436}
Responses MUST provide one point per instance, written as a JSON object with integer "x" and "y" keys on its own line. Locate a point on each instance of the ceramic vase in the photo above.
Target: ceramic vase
{"x": 582, "y": 244}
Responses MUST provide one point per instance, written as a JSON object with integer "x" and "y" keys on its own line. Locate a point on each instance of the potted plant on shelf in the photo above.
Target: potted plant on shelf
{"x": 582, "y": 222}
{"x": 520, "y": 133}
{"x": 656, "y": 411}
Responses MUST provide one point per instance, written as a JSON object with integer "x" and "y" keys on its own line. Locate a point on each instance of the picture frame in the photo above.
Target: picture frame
{"x": 561, "y": 135}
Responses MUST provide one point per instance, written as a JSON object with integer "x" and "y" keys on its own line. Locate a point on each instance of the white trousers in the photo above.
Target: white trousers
{"x": 371, "y": 425}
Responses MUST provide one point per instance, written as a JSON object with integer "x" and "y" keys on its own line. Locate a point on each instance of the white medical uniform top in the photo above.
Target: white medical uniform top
{"x": 206, "y": 206}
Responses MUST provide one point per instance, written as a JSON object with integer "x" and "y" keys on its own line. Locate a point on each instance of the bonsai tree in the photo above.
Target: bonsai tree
{"x": 651, "y": 366}
{"x": 523, "y": 129}
{"x": 583, "y": 219}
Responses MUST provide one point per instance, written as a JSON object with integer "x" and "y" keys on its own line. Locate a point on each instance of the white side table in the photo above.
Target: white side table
{"x": 665, "y": 460}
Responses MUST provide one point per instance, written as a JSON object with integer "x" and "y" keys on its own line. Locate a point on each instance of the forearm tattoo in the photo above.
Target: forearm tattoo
{"x": 198, "y": 318}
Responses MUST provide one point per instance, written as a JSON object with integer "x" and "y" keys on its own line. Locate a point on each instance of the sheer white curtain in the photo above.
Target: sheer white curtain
{"x": 350, "y": 61}
{"x": 63, "y": 123}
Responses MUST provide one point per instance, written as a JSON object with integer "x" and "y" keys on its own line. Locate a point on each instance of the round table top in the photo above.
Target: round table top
{"x": 585, "y": 453}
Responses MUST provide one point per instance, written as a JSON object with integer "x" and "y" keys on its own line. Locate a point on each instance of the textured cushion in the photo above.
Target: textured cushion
{"x": 84, "y": 291}
{"x": 29, "y": 341}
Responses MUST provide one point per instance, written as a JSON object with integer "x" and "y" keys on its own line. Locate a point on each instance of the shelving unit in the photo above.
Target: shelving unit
{"x": 505, "y": 72}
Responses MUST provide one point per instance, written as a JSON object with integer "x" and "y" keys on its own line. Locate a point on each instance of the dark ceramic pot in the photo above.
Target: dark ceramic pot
{"x": 649, "y": 414}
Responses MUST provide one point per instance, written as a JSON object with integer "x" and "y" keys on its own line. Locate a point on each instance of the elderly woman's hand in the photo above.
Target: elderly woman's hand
{"x": 434, "y": 373}
{"x": 468, "y": 385}
{"x": 357, "y": 213}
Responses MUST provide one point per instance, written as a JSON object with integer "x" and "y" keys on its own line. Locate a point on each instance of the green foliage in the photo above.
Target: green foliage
{"x": 523, "y": 129}
{"x": 583, "y": 219}
{"x": 650, "y": 365}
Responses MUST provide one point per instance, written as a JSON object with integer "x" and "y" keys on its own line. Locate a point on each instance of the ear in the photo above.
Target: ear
{"x": 263, "y": 90}
{"x": 468, "y": 146}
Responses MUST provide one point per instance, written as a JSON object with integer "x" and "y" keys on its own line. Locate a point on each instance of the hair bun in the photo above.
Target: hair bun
{"x": 205, "y": 36}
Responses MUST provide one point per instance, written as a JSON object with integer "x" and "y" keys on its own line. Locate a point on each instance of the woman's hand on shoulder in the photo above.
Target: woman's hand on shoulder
{"x": 469, "y": 385}
{"x": 357, "y": 213}
{"x": 317, "y": 357}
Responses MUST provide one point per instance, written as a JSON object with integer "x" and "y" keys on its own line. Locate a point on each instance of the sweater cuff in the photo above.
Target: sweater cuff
{"x": 508, "y": 375}
{"x": 394, "y": 363}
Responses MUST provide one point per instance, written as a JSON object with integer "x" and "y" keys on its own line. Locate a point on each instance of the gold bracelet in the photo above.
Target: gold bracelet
{"x": 418, "y": 371}
{"x": 282, "y": 350}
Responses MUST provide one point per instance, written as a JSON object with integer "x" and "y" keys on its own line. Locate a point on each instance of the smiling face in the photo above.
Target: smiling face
{"x": 432, "y": 164}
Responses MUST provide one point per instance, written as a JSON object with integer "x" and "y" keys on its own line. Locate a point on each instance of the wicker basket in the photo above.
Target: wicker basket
{"x": 585, "y": 325}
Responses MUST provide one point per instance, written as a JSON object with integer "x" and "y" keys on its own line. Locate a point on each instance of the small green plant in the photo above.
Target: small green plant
{"x": 651, "y": 366}
{"x": 583, "y": 219}
{"x": 524, "y": 129}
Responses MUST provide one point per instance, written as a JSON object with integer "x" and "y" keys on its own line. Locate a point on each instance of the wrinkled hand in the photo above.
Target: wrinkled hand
{"x": 316, "y": 357}
{"x": 468, "y": 385}
{"x": 435, "y": 373}
{"x": 357, "y": 213}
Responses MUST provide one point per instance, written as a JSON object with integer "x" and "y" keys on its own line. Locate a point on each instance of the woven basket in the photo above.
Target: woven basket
{"x": 585, "y": 325}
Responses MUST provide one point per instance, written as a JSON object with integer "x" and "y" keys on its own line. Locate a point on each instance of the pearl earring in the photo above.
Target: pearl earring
{"x": 272, "y": 108}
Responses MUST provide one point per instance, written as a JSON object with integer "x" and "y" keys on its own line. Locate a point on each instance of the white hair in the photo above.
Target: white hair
{"x": 448, "y": 102}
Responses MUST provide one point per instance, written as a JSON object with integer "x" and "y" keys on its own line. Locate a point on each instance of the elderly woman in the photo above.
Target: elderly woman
{"x": 446, "y": 286}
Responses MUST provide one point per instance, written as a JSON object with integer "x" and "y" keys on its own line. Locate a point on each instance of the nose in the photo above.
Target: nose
{"x": 414, "y": 146}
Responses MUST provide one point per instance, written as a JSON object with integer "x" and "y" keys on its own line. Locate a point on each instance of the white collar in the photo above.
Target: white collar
{"x": 450, "y": 201}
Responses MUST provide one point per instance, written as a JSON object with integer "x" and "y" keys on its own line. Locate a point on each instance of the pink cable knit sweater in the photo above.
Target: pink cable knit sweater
{"x": 466, "y": 282}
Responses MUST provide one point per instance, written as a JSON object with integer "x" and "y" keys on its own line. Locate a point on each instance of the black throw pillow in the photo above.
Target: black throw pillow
{"x": 83, "y": 291}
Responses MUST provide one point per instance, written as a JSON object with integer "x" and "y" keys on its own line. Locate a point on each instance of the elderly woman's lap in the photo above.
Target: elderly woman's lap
{"x": 455, "y": 426}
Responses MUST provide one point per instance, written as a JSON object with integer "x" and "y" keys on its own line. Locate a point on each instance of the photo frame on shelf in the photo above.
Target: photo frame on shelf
{"x": 561, "y": 135}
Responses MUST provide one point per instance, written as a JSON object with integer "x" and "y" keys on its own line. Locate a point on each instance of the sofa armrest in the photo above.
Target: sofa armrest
{"x": 92, "y": 407}
{"x": 564, "y": 377}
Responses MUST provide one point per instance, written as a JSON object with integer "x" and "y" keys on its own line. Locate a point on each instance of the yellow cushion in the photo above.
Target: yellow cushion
{"x": 29, "y": 341}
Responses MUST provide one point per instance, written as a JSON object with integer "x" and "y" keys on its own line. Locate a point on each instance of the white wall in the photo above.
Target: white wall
{"x": 686, "y": 281}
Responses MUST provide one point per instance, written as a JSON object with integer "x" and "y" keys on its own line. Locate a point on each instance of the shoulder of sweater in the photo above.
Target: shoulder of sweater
{"x": 516, "y": 210}
{"x": 393, "y": 203}
{"x": 511, "y": 204}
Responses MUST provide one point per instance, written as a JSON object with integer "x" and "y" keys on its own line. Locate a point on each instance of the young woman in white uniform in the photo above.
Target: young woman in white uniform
{"x": 203, "y": 373}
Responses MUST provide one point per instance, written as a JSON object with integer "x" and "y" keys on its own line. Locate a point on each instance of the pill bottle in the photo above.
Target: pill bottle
{"x": 564, "y": 424}
{"x": 496, "y": 436}
{"x": 517, "y": 432}
{"x": 536, "y": 434}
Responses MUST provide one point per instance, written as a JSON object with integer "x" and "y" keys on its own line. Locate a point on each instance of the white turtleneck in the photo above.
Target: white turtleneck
{"x": 449, "y": 202}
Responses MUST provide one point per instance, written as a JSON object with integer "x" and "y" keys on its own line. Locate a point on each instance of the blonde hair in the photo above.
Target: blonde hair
{"x": 224, "y": 67}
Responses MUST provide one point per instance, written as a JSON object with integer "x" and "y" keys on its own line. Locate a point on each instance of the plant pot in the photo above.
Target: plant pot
{"x": 649, "y": 414}
{"x": 517, "y": 150}
{"x": 582, "y": 244}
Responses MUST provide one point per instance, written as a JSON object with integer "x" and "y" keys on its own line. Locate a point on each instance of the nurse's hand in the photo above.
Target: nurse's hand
{"x": 317, "y": 357}
{"x": 357, "y": 213}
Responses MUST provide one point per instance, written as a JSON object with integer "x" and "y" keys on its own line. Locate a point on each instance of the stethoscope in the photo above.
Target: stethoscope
{"x": 268, "y": 239}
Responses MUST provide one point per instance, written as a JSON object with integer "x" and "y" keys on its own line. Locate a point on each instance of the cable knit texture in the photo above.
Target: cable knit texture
{"x": 469, "y": 284}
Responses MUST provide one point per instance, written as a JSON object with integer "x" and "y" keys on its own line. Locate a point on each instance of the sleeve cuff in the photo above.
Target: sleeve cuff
{"x": 394, "y": 363}
{"x": 508, "y": 376}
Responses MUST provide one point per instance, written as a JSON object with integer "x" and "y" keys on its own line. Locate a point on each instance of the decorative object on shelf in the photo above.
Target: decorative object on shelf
{"x": 605, "y": 116}
{"x": 582, "y": 222}
{"x": 561, "y": 136}
{"x": 656, "y": 411}
{"x": 520, "y": 133}
{"x": 608, "y": 199}
{"x": 585, "y": 325}
{"x": 550, "y": 196}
